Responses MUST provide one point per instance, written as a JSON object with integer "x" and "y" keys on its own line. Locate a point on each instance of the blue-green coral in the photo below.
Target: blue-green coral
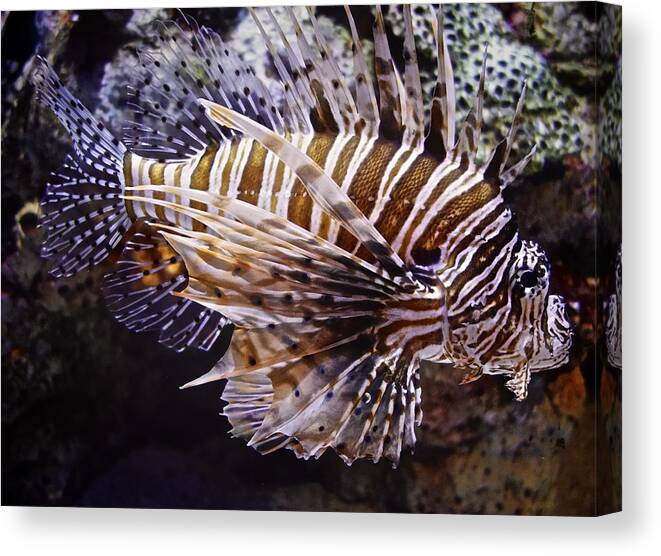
{"x": 610, "y": 105}
{"x": 554, "y": 116}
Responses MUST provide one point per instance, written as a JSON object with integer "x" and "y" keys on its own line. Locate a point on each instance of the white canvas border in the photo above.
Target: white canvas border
{"x": 635, "y": 531}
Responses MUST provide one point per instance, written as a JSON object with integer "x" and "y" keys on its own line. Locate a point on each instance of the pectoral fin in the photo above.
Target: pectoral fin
{"x": 518, "y": 384}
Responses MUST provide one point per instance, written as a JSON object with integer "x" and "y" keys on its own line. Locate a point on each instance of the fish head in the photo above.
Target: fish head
{"x": 545, "y": 333}
{"x": 530, "y": 331}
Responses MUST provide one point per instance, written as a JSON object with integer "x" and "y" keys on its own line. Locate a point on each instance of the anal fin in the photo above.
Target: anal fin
{"x": 140, "y": 294}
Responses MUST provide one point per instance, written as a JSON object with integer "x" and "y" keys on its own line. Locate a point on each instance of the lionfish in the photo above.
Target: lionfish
{"x": 342, "y": 236}
{"x": 614, "y": 319}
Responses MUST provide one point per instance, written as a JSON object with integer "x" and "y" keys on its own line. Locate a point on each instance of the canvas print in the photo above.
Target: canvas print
{"x": 361, "y": 258}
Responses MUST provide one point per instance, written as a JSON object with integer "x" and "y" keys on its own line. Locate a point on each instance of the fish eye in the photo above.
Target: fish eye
{"x": 528, "y": 279}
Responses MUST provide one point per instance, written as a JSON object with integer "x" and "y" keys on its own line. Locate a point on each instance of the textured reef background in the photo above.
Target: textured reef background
{"x": 92, "y": 414}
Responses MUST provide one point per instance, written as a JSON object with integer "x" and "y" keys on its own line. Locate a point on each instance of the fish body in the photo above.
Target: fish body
{"x": 414, "y": 200}
{"x": 343, "y": 237}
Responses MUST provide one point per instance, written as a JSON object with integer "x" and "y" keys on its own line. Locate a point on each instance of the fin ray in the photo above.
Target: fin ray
{"x": 388, "y": 81}
{"x": 441, "y": 137}
{"x": 191, "y": 62}
{"x": 365, "y": 99}
{"x": 415, "y": 115}
{"x": 83, "y": 213}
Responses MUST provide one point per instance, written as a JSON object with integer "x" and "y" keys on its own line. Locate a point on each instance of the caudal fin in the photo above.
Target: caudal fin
{"x": 83, "y": 212}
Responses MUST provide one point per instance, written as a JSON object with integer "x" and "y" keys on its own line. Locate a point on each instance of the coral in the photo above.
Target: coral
{"x": 554, "y": 117}
{"x": 610, "y": 119}
{"x": 561, "y": 29}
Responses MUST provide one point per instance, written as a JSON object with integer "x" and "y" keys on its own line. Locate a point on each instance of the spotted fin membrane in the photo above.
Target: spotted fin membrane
{"x": 83, "y": 213}
{"x": 140, "y": 294}
{"x": 85, "y": 219}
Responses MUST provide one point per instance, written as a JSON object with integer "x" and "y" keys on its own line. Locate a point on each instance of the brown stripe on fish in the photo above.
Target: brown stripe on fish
{"x": 157, "y": 177}
{"x": 453, "y": 182}
{"x": 414, "y": 311}
{"x": 217, "y": 169}
{"x": 458, "y": 174}
{"x": 300, "y": 203}
{"x": 403, "y": 196}
{"x": 227, "y": 169}
{"x": 468, "y": 240}
{"x": 135, "y": 166}
{"x": 178, "y": 171}
{"x": 480, "y": 342}
{"x": 362, "y": 151}
{"x": 508, "y": 331}
{"x": 278, "y": 181}
{"x": 418, "y": 336}
{"x": 128, "y": 182}
{"x": 200, "y": 181}
{"x": 497, "y": 302}
{"x": 344, "y": 160}
{"x": 484, "y": 257}
{"x": 365, "y": 184}
{"x": 397, "y": 167}
{"x": 141, "y": 170}
{"x": 251, "y": 180}
{"x": 411, "y": 337}
{"x": 475, "y": 303}
{"x": 141, "y": 178}
{"x": 265, "y": 190}
{"x": 241, "y": 162}
{"x": 289, "y": 178}
{"x": 451, "y": 214}
{"x": 336, "y": 167}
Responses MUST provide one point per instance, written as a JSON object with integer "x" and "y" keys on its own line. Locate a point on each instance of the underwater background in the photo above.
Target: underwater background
{"x": 92, "y": 414}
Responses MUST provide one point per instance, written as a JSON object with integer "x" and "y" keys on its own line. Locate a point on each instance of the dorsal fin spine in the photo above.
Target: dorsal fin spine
{"x": 337, "y": 81}
{"x": 515, "y": 126}
{"x": 445, "y": 91}
{"x": 316, "y": 74}
{"x": 470, "y": 131}
{"x": 515, "y": 171}
{"x": 415, "y": 116}
{"x": 479, "y": 102}
{"x": 302, "y": 83}
{"x": 294, "y": 103}
{"x": 390, "y": 102}
{"x": 368, "y": 107}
